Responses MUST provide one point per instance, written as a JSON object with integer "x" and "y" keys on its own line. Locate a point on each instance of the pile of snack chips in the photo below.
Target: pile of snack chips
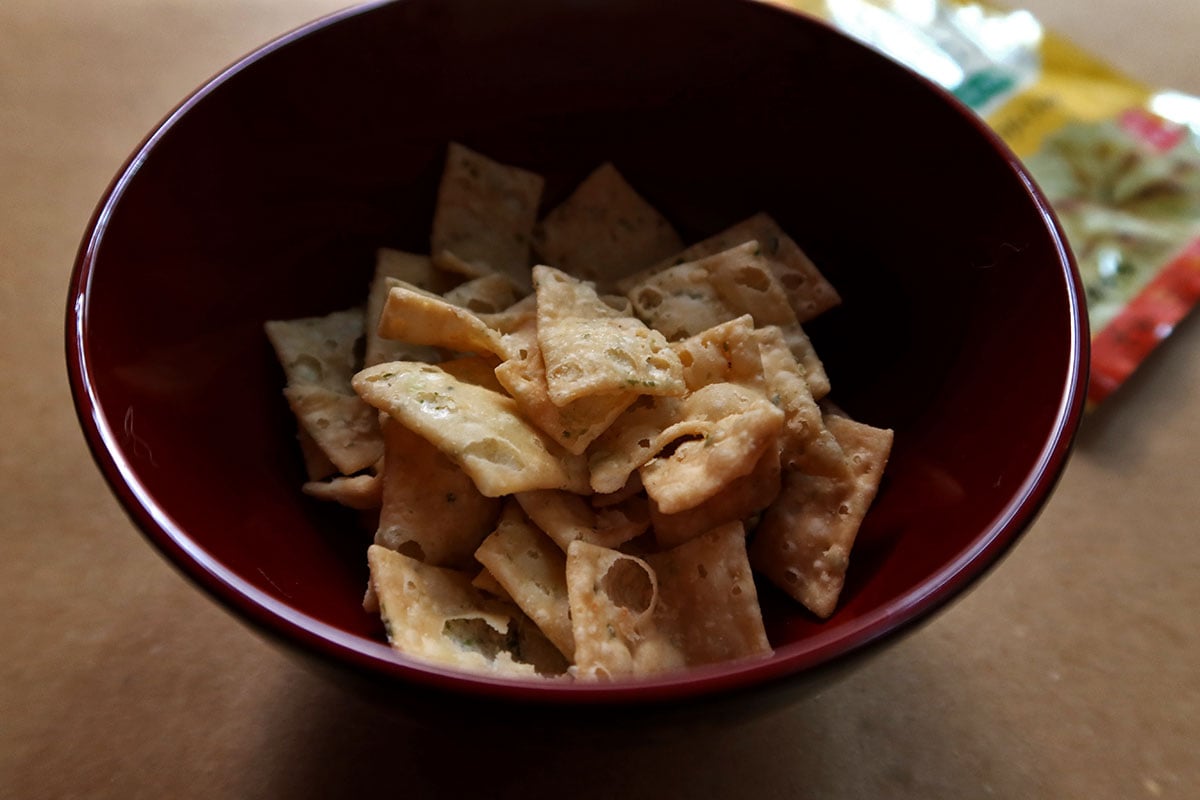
{"x": 578, "y": 467}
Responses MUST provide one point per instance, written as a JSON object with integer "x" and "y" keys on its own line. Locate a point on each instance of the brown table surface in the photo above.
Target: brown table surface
{"x": 1073, "y": 671}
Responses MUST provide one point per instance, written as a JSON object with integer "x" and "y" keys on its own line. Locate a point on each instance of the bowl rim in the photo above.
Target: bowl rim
{"x": 290, "y": 626}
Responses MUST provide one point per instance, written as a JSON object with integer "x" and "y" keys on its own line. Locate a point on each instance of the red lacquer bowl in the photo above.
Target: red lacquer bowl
{"x": 265, "y": 194}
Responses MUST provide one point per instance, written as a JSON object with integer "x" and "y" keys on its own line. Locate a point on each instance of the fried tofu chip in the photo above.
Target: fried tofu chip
{"x": 435, "y": 615}
{"x": 689, "y": 298}
{"x": 431, "y": 509}
{"x": 531, "y": 569}
{"x": 680, "y": 302}
{"x": 417, "y": 317}
{"x": 725, "y": 353}
{"x": 808, "y": 292}
{"x": 632, "y": 488}
{"x": 686, "y": 299}
{"x": 604, "y": 230}
{"x": 566, "y": 517}
{"x": 724, "y": 431}
{"x": 612, "y": 598}
{"x": 360, "y": 492}
{"x": 737, "y": 501}
{"x": 318, "y": 351}
{"x": 343, "y": 426}
{"x": 490, "y": 294}
{"x": 574, "y": 425}
{"x": 808, "y": 446}
{"x": 516, "y": 316}
{"x": 484, "y": 218}
{"x": 394, "y": 268}
{"x": 486, "y": 582}
{"x": 804, "y": 540}
{"x": 629, "y": 442}
{"x": 707, "y": 600}
{"x": 806, "y": 356}
{"x": 480, "y": 430}
{"x": 590, "y": 348}
{"x": 693, "y": 605}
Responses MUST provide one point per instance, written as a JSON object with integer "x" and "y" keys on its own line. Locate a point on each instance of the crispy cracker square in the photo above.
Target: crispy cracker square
{"x": 435, "y": 615}
{"x": 395, "y": 267}
{"x": 604, "y": 230}
{"x": 419, "y": 318}
{"x": 533, "y": 572}
{"x": 808, "y": 291}
{"x": 484, "y": 218}
{"x": 804, "y": 540}
{"x": 430, "y": 509}
{"x": 590, "y": 348}
{"x": 574, "y": 425}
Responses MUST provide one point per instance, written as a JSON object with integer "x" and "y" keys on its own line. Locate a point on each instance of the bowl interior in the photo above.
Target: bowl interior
{"x": 267, "y": 194}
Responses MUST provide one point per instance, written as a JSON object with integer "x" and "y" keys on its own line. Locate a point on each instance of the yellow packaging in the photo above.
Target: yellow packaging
{"x": 1118, "y": 160}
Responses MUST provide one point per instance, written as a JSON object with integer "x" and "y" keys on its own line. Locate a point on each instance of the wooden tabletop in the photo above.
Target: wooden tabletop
{"x": 1073, "y": 671}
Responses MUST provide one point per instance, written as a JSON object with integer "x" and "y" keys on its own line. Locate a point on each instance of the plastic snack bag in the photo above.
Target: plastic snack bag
{"x": 1119, "y": 161}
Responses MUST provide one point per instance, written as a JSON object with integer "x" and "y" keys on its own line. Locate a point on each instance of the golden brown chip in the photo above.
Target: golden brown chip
{"x": 516, "y": 316}
{"x": 486, "y": 582}
{"x": 359, "y": 491}
{"x": 604, "y": 230}
{"x": 480, "y": 430}
{"x": 484, "y": 217}
{"x": 632, "y": 488}
{"x": 806, "y": 356}
{"x": 809, "y": 293}
{"x": 574, "y": 425}
{"x": 343, "y": 426}
{"x": 318, "y": 351}
{"x": 723, "y": 432}
{"x": 490, "y": 294}
{"x": 726, "y": 414}
{"x": 707, "y": 601}
{"x": 630, "y": 441}
{"x": 739, "y": 500}
{"x": 417, "y": 317}
{"x": 680, "y": 302}
{"x": 566, "y": 517}
{"x": 746, "y": 283}
{"x": 807, "y": 445}
{"x": 532, "y": 571}
{"x": 728, "y": 352}
{"x": 435, "y": 615}
{"x": 590, "y": 348}
{"x": 688, "y": 298}
{"x": 693, "y": 605}
{"x": 431, "y": 509}
{"x": 410, "y": 268}
{"x": 612, "y": 598}
{"x": 394, "y": 267}
{"x": 804, "y": 540}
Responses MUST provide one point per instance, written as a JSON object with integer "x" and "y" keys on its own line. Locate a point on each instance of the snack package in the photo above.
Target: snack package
{"x": 1119, "y": 161}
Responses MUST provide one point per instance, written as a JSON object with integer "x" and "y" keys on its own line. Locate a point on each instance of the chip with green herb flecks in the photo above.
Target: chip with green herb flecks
{"x": 480, "y": 430}
{"x": 590, "y": 348}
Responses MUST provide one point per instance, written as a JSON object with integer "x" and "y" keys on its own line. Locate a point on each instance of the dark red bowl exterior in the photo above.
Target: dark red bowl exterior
{"x": 265, "y": 194}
